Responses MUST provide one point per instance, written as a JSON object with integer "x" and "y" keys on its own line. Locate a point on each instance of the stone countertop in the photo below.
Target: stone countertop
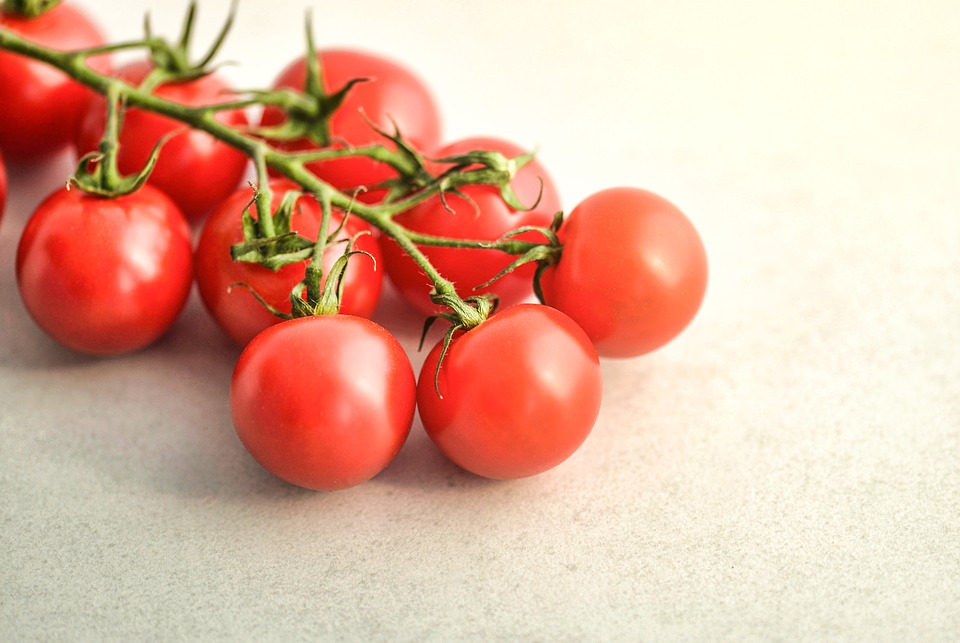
{"x": 787, "y": 469}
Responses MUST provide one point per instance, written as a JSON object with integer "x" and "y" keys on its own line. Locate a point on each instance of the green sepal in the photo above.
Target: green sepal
{"x": 535, "y": 254}
{"x": 482, "y": 306}
{"x": 171, "y": 62}
{"x": 98, "y": 180}
{"x": 28, "y": 8}
{"x": 544, "y": 255}
{"x": 332, "y": 293}
{"x": 275, "y": 311}
{"x": 273, "y": 252}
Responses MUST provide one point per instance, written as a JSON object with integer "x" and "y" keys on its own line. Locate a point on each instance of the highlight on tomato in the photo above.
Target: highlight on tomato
{"x": 390, "y": 96}
{"x": 194, "y": 169}
{"x": 632, "y": 272}
{"x": 234, "y": 307}
{"x": 513, "y": 397}
{"x": 323, "y": 402}
{"x": 41, "y": 107}
{"x": 480, "y": 214}
{"x": 105, "y": 276}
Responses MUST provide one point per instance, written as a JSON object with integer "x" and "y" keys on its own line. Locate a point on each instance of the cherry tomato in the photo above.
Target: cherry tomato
{"x": 487, "y": 218}
{"x": 633, "y": 271}
{"x": 520, "y": 393}
{"x": 323, "y": 402}
{"x": 40, "y": 107}
{"x": 194, "y": 169}
{"x": 3, "y": 186}
{"x": 392, "y": 92}
{"x": 235, "y": 309}
{"x": 105, "y": 276}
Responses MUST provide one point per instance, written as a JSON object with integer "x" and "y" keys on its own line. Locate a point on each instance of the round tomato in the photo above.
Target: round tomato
{"x": 392, "y": 95}
{"x": 235, "y": 309}
{"x": 632, "y": 272}
{"x": 518, "y": 394}
{"x": 40, "y": 107}
{"x": 194, "y": 169}
{"x": 105, "y": 276}
{"x": 323, "y": 402}
{"x": 485, "y": 216}
{"x": 3, "y": 186}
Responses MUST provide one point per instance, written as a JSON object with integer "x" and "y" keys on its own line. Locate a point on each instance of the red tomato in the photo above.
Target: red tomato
{"x": 105, "y": 276}
{"x": 521, "y": 392}
{"x": 633, "y": 271}
{"x": 392, "y": 92}
{"x": 40, "y": 107}
{"x": 3, "y": 186}
{"x": 194, "y": 169}
{"x": 323, "y": 402}
{"x": 488, "y": 219}
{"x": 235, "y": 309}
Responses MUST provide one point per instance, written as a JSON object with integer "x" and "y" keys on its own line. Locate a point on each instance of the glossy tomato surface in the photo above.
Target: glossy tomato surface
{"x": 194, "y": 169}
{"x": 234, "y": 308}
{"x": 482, "y": 216}
{"x": 323, "y": 402}
{"x": 40, "y": 107}
{"x": 105, "y": 276}
{"x": 633, "y": 271}
{"x": 518, "y": 394}
{"x": 392, "y": 94}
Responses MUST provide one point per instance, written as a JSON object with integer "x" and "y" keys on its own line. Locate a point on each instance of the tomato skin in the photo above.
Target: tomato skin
{"x": 393, "y": 92}
{"x": 105, "y": 276}
{"x": 491, "y": 219}
{"x": 633, "y": 271}
{"x": 40, "y": 107}
{"x": 3, "y": 186}
{"x": 521, "y": 393}
{"x": 323, "y": 402}
{"x": 194, "y": 169}
{"x": 235, "y": 309}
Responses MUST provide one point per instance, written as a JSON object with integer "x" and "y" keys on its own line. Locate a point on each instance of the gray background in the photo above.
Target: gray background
{"x": 786, "y": 470}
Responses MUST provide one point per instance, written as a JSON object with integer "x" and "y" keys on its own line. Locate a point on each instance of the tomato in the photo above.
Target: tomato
{"x": 105, "y": 276}
{"x": 323, "y": 402}
{"x": 40, "y": 107}
{"x": 632, "y": 273}
{"x": 194, "y": 169}
{"x": 520, "y": 393}
{"x": 393, "y": 94}
{"x": 235, "y": 309}
{"x": 487, "y": 218}
{"x": 3, "y": 186}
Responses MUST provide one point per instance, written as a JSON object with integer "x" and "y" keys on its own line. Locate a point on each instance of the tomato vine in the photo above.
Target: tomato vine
{"x": 478, "y": 167}
{"x": 510, "y": 390}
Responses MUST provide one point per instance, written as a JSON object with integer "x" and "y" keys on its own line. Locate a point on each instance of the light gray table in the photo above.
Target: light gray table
{"x": 788, "y": 469}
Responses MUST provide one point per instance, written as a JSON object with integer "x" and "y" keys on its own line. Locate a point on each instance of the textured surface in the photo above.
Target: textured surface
{"x": 787, "y": 469}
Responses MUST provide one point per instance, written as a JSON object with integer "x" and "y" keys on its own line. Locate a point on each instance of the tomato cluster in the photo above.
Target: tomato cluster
{"x": 324, "y": 398}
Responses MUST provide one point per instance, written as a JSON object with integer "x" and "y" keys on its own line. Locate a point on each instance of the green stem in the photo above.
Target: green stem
{"x": 110, "y": 143}
{"x": 265, "y": 200}
{"x": 292, "y": 165}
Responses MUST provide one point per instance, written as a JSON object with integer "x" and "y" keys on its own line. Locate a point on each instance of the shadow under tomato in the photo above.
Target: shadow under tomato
{"x": 422, "y": 465}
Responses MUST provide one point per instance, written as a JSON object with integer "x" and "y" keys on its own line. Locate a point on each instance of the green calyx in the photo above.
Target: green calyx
{"x": 308, "y": 112}
{"x": 268, "y": 239}
{"x": 270, "y": 242}
{"x": 98, "y": 172}
{"x": 466, "y": 314}
{"x": 171, "y": 61}
{"x": 28, "y": 8}
{"x": 494, "y": 169}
